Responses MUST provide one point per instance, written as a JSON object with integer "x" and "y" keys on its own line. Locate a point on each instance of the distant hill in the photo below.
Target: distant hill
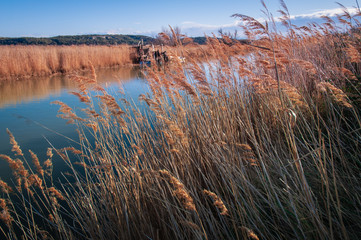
{"x": 199, "y": 40}
{"x": 78, "y": 40}
{"x": 86, "y": 39}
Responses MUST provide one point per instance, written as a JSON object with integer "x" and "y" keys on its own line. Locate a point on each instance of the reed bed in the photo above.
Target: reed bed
{"x": 24, "y": 61}
{"x": 261, "y": 146}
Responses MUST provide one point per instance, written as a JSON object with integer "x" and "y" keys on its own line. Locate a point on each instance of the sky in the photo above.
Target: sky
{"x": 46, "y": 18}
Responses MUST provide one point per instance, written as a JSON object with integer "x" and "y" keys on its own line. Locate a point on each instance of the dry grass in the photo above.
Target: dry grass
{"x": 263, "y": 146}
{"x": 24, "y": 61}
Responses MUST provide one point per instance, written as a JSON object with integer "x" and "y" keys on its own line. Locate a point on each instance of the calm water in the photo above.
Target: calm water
{"x": 26, "y": 109}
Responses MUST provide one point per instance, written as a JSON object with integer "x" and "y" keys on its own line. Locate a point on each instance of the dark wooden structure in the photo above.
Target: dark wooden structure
{"x": 144, "y": 54}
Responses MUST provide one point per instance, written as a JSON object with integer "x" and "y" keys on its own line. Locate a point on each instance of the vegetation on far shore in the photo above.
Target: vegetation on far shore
{"x": 30, "y": 57}
{"x": 95, "y": 39}
{"x": 262, "y": 144}
{"x": 27, "y": 61}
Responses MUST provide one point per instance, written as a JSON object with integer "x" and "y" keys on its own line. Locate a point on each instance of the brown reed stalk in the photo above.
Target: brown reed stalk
{"x": 180, "y": 192}
{"x": 14, "y": 143}
{"x": 5, "y": 214}
{"x": 67, "y": 112}
{"x": 337, "y": 94}
{"x": 56, "y": 193}
{"x": 48, "y": 164}
{"x": 217, "y": 202}
{"x": 36, "y": 163}
{"x": 34, "y": 180}
{"x": 250, "y": 233}
{"x": 5, "y": 188}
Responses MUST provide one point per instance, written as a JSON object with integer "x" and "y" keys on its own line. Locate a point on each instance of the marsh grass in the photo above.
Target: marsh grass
{"x": 261, "y": 146}
{"x": 25, "y": 61}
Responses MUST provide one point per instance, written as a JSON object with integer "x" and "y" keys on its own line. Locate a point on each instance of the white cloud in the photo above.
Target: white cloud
{"x": 317, "y": 14}
{"x": 130, "y": 31}
{"x": 326, "y": 12}
{"x": 199, "y": 29}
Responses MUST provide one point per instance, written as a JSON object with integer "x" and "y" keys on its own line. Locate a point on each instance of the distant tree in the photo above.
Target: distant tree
{"x": 228, "y": 34}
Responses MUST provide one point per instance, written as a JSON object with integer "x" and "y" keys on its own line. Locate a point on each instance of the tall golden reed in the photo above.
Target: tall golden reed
{"x": 25, "y": 61}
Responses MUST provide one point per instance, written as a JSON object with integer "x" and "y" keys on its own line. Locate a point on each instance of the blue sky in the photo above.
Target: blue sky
{"x": 71, "y": 17}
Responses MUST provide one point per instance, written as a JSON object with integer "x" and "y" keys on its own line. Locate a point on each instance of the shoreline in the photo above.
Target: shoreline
{"x": 79, "y": 71}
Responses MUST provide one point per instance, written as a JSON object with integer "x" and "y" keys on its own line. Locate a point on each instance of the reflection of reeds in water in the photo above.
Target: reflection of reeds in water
{"x": 19, "y": 61}
{"x": 26, "y": 90}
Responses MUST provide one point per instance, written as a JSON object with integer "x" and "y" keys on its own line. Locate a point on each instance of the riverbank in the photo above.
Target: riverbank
{"x": 22, "y": 62}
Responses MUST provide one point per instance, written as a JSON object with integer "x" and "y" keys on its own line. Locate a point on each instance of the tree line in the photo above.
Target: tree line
{"x": 87, "y": 40}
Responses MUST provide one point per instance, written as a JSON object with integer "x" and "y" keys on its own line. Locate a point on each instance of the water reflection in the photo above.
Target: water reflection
{"x": 26, "y": 110}
{"x": 27, "y": 90}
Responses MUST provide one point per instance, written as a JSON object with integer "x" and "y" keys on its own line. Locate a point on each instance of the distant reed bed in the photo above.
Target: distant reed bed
{"x": 261, "y": 146}
{"x": 24, "y": 61}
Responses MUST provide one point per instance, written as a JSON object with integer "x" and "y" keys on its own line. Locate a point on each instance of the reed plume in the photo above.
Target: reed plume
{"x": 5, "y": 188}
{"x": 250, "y": 233}
{"x": 180, "y": 191}
{"x": 48, "y": 164}
{"x": 34, "y": 180}
{"x": 5, "y": 214}
{"x": 56, "y": 193}
{"x": 36, "y": 162}
{"x": 217, "y": 202}
{"x": 67, "y": 112}
{"x": 15, "y": 146}
{"x": 337, "y": 94}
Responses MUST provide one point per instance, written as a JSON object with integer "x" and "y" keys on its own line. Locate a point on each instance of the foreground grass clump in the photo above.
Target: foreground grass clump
{"x": 262, "y": 146}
